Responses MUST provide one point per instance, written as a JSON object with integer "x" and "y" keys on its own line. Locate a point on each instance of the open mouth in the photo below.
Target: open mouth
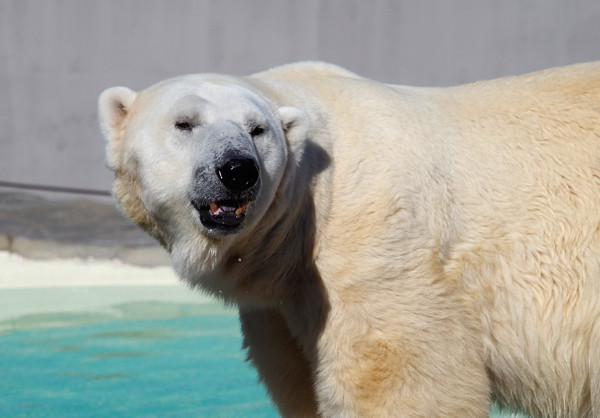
{"x": 225, "y": 215}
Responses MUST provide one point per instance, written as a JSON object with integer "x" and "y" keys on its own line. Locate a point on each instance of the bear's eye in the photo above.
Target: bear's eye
{"x": 184, "y": 125}
{"x": 257, "y": 130}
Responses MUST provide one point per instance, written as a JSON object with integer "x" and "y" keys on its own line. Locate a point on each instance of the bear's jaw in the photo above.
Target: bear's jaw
{"x": 196, "y": 261}
{"x": 222, "y": 217}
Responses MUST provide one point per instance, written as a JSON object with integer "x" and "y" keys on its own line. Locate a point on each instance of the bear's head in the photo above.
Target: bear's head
{"x": 197, "y": 161}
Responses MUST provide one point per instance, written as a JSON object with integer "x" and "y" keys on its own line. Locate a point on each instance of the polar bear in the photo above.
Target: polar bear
{"x": 393, "y": 251}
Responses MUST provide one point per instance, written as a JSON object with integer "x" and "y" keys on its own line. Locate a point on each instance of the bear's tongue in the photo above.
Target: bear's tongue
{"x": 226, "y": 208}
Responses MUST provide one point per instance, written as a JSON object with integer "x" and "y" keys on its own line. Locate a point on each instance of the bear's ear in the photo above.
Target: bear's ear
{"x": 114, "y": 104}
{"x": 296, "y": 124}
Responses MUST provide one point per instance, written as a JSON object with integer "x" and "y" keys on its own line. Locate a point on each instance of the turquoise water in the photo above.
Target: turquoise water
{"x": 82, "y": 352}
{"x": 189, "y": 364}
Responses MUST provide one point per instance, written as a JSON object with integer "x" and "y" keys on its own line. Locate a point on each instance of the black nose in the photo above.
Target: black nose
{"x": 238, "y": 174}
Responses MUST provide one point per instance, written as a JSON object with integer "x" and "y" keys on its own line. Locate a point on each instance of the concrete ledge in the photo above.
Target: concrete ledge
{"x": 41, "y": 249}
{"x": 38, "y": 228}
{"x": 4, "y": 242}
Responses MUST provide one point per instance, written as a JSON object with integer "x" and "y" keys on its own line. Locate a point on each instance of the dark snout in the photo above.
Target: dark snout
{"x": 227, "y": 179}
{"x": 223, "y": 193}
{"x": 238, "y": 174}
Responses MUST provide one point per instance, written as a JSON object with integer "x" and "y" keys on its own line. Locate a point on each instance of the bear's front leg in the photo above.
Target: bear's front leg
{"x": 280, "y": 362}
{"x": 380, "y": 361}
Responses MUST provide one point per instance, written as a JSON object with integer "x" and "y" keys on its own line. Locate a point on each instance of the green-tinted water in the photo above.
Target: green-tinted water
{"x": 183, "y": 365}
{"x": 98, "y": 352}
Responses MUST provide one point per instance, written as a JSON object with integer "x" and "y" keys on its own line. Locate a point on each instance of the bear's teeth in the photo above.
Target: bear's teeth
{"x": 214, "y": 207}
{"x": 242, "y": 208}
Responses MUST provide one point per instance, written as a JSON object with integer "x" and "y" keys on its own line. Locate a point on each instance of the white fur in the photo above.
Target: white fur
{"x": 413, "y": 252}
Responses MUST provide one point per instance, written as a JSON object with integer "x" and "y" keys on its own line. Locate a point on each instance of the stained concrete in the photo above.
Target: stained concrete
{"x": 39, "y": 228}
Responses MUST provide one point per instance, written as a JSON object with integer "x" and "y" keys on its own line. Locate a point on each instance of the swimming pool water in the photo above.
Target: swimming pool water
{"x": 125, "y": 352}
{"x": 189, "y": 366}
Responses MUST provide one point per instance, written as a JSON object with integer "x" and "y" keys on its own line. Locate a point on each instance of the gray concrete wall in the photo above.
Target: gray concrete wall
{"x": 56, "y": 56}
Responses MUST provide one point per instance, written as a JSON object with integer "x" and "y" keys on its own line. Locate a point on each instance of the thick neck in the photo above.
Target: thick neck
{"x": 276, "y": 268}
{"x": 270, "y": 262}
{"x": 277, "y": 253}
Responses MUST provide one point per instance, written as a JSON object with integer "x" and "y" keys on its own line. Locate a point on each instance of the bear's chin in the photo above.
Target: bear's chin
{"x": 195, "y": 257}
